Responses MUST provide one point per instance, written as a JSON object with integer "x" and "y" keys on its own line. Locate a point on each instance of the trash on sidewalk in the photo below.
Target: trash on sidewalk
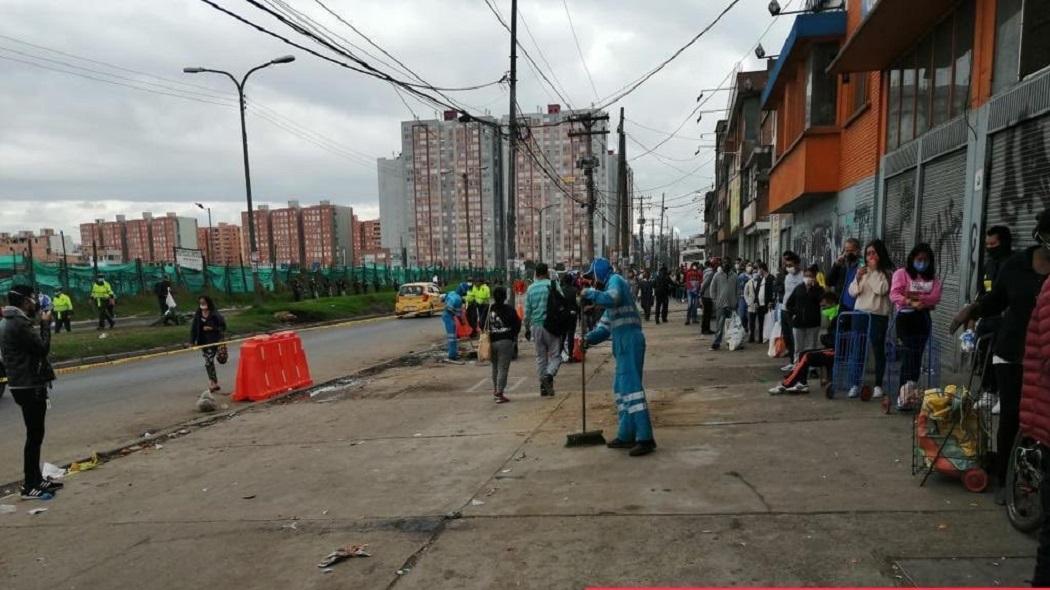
{"x": 85, "y": 465}
{"x": 7, "y": 509}
{"x": 37, "y": 511}
{"x": 476, "y": 502}
{"x": 52, "y": 471}
{"x": 206, "y": 403}
{"x": 344, "y": 553}
{"x": 251, "y": 497}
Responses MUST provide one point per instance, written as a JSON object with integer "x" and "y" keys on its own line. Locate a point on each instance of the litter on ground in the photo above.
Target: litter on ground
{"x": 85, "y": 465}
{"x": 344, "y": 553}
{"x": 37, "y": 511}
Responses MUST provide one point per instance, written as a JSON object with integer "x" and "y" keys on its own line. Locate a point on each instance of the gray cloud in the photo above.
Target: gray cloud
{"x": 75, "y": 149}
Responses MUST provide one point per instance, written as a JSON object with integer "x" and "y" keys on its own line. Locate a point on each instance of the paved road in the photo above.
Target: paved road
{"x": 99, "y": 408}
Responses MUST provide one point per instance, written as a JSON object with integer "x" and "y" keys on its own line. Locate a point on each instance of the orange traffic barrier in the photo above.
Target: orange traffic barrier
{"x": 270, "y": 365}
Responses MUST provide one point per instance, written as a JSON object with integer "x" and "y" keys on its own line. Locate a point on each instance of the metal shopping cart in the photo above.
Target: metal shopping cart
{"x": 852, "y": 334}
{"x": 913, "y": 365}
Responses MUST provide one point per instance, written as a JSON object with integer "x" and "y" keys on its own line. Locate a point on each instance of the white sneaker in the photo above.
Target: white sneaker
{"x": 779, "y": 389}
{"x": 788, "y": 367}
{"x": 987, "y": 400}
{"x": 877, "y": 392}
{"x": 995, "y": 410}
{"x": 854, "y": 392}
{"x": 798, "y": 388}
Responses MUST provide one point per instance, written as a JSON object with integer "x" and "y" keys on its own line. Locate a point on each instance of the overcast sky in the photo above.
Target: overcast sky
{"x": 73, "y": 149}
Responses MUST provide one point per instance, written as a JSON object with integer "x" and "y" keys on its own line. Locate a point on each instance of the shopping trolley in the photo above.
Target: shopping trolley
{"x": 852, "y": 334}
{"x": 905, "y": 394}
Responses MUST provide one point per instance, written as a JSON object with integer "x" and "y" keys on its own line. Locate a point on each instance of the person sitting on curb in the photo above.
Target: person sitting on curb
{"x": 797, "y": 381}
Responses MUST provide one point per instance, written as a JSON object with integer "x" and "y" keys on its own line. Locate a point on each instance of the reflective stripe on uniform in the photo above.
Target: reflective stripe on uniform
{"x": 628, "y": 321}
{"x": 630, "y": 397}
{"x": 640, "y": 407}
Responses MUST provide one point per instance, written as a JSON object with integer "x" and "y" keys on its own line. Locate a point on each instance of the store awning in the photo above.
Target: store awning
{"x": 891, "y": 28}
{"x": 807, "y": 28}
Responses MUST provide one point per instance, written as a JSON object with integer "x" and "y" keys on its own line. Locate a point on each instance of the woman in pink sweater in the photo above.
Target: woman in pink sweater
{"x": 915, "y": 291}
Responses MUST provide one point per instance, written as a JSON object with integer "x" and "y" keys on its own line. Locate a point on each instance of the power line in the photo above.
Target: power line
{"x": 619, "y": 95}
{"x": 543, "y": 56}
{"x": 679, "y": 179}
{"x": 579, "y": 50}
{"x": 661, "y": 131}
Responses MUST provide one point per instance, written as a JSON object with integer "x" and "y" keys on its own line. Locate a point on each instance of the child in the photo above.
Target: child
{"x": 797, "y": 380}
{"x": 803, "y": 305}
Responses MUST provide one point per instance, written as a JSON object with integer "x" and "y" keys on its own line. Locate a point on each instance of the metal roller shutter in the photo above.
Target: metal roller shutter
{"x": 1019, "y": 178}
{"x": 940, "y": 225}
{"x": 899, "y": 227}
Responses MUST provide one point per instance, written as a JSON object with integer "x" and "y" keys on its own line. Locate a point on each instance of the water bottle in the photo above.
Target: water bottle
{"x": 969, "y": 340}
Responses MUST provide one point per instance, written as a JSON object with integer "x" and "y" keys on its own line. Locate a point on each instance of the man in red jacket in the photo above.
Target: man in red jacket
{"x": 694, "y": 280}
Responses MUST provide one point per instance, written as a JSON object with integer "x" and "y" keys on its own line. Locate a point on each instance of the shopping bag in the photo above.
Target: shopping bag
{"x": 170, "y": 301}
{"x": 767, "y": 326}
{"x": 734, "y": 333}
{"x": 484, "y": 347}
{"x": 777, "y": 347}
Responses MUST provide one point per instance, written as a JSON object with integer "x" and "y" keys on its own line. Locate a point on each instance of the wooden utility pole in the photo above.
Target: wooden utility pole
{"x": 624, "y": 212}
{"x": 588, "y": 163}
{"x": 663, "y": 245}
{"x": 641, "y": 234}
{"x": 512, "y": 204}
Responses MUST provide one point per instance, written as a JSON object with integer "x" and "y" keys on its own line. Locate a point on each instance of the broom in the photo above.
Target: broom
{"x": 584, "y": 438}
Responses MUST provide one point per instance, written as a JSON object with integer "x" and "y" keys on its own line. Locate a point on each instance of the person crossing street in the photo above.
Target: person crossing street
{"x": 621, "y": 323}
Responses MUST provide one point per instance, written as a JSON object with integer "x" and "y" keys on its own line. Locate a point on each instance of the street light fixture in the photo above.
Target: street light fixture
{"x": 207, "y": 239}
{"x": 254, "y": 254}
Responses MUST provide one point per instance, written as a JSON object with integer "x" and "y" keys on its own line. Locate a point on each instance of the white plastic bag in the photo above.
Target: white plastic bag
{"x": 170, "y": 301}
{"x": 734, "y": 333}
{"x": 767, "y": 325}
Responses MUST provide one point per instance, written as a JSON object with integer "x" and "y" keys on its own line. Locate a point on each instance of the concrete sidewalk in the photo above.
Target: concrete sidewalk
{"x": 454, "y": 491}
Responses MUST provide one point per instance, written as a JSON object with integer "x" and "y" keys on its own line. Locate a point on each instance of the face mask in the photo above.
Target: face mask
{"x": 995, "y": 252}
{"x": 920, "y": 265}
{"x": 204, "y": 308}
{"x": 851, "y": 257}
{"x": 810, "y": 281}
{"x": 791, "y": 269}
{"x": 99, "y": 282}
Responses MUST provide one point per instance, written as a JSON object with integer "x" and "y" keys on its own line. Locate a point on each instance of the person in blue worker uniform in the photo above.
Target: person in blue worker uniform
{"x": 453, "y": 307}
{"x": 622, "y": 323}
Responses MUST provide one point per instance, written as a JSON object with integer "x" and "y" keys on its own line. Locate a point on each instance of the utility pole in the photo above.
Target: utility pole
{"x": 65, "y": 260}
{"x": 641, "y": 234}
{"x": 621, "y": 192}
{"x": 588, "y": 163}
{"x": 512, "y": 201}
{"x": 663, "y": 244}
{"x": 652, "y": 241}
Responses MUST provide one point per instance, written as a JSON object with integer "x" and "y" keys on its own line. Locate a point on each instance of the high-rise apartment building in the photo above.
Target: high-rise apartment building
{"x": 150, "y": 239}
{"x": 42, "y": 246}
{"x": 263, "y": 241}
{"x": 221, "y": 244}
{"x": 303, "y": 236}
{"x": 394, "y": 207}
{"x": 138, "y": 235}
{"x": 170, "y": 232}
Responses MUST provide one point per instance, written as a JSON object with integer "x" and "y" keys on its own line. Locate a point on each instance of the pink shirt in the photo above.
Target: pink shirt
{"x": 905, "y": 288}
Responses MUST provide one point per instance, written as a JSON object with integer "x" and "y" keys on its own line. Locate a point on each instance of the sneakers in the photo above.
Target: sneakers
{"x": 644, "y": 447}
{"x": 500, "y": 398}
{"x": 788, "y": 368}
{"x": 714, "y": 348}
{"x": 37, "y": 493}
{"x": 50, "y": 485}
{"x": 877, "y": 392}
{"x": 779, "y": 389}
{"x": 995, "y": 410}
{"x": 547, "y": 386}
{"x": 798, "y": 388}
{"x": 854, "y": 392}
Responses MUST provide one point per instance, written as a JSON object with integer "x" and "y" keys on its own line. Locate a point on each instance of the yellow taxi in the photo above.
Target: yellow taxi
{"x": 418, "y": 299}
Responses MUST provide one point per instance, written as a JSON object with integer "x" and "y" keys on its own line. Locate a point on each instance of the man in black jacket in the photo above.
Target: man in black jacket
{"x": 662, "y": 288}
{"x": 25, "y": 342}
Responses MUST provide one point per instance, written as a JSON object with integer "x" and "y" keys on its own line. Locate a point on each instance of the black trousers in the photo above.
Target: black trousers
{"x": 757, "y": 322}
{"x": 787, "y": 332}
{"x": 63, "y": 318}
{"x": 661, "y": 307}
{"x": 913, "y": 331}
{"x": 647, "y": 309}
{"x": 34, "y": 407}
{"x": 162, "y": 302}
{"x": 105, "y": 314}
{"x": 1009, "y": 376}
{"x": 705, "y": 316}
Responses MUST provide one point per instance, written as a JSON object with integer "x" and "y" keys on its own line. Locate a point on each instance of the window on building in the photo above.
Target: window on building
{"x": 857, "y": 93}
{"x": 1022, "y": 41}
{"x": 893, "y": 119}
{"x": 908, "y": 87}
{"x": 942, "y": 73}
{"x": 821, "y": 87}
{"x": 924, "y": 84}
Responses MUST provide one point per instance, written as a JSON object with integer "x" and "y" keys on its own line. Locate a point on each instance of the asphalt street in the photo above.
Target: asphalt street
{"x": 97, "y": 409}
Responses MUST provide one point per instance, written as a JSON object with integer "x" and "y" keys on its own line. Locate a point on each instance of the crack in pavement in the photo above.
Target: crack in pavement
{"x": 751, "y": 487}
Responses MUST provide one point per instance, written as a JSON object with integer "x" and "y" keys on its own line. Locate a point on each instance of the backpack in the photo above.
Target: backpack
{"x": 561, "y": 313}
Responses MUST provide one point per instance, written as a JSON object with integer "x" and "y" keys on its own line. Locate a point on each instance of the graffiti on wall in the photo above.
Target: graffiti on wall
{"x": 944, "y": 232}
{"x": 863, "y": 223}
{"x": 1027, "y": 172}
{"x": 817, "y": 244}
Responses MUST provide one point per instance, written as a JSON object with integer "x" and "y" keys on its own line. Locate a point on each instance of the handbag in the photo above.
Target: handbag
{"x": 777, "y": 347}
{"x": 223, "y": 355}
{"x": 484, "y": 347}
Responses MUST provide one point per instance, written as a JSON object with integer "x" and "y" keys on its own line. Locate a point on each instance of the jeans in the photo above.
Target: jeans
{"x": 34, "y": 407}
{"x": 1009, "y": 375}
{"x": 502, "y": 354}
{"x": 705, "y": 316}
{"x": 690, "y": 312}
{"x": 726, "y": 313}
{"x": 805, "y": 339}
{"x": 548, "y": 352}
{"x": 913, "y": 330}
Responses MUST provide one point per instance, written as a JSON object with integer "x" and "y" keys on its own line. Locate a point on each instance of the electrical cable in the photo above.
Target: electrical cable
{"x": 579, "y": 50}
{"x": 543, "y": 56}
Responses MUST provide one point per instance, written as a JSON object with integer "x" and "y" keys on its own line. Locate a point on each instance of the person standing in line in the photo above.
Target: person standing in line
{"x": 662, "y": 288}
{"x": 1035, "y": 417}
{"x": 792, "y": 278}
{"x": 870, "y": 289}
{"x": 105, "y": 300}
{"x": 645, "y": 293}
{"x": 63, "y": 308}
{"x": 621, "y": 323}
{"x": 694, "y": 280}
{"x": 742, "y": 278}
{"x": 758, "y": 293}
{"x": 207, "y": 330}
{"x": 843, "y": 271}
{"x": 1012, "y": 297}
{"x": 723, "y": 295}
{"x": 548, "y": 346}
{"x": 453, "y": 309}
{"x": 803, "y": 306}
{"x": 705, "y": 297}
{"x": 25, "y": 342}
{"x": 998, "y": 248}
{"x": 568, "y": 289}
{"x": 504, "y": 325}
{"x": 915, "y": 291}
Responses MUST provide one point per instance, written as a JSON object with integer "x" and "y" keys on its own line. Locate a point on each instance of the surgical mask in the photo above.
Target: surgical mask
{"x": 791, "y": 269}
{"x": 204, "y": 308}
{"x": 810, "y": 281}
{"x": 920, "y": 265}
{"x": 851, "y": 257}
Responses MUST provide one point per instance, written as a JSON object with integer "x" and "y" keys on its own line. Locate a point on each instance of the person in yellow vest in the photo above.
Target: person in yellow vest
{"x": 104, "y": 298}
{"x": 477, "y": 305}
{"x": 63, "y": 308}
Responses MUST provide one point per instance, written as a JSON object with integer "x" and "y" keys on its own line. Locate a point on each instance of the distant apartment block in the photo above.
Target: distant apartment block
{"x": 221, "y": 244}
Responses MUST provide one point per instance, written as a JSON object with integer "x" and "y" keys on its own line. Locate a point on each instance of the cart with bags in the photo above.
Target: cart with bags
{"x": 904, "y": 394}
{"x": 852, "y": 334}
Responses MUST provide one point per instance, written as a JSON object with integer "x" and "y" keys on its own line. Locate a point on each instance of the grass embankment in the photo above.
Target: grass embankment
{"x": 85, "y": 342}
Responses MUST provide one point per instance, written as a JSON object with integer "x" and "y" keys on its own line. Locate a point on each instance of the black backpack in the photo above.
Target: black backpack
{"x": 561, "y": 313}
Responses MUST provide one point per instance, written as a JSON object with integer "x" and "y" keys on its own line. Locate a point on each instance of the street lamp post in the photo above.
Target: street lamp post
{"x": 207, "y": 239}
{"x": 254, "y": 255}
